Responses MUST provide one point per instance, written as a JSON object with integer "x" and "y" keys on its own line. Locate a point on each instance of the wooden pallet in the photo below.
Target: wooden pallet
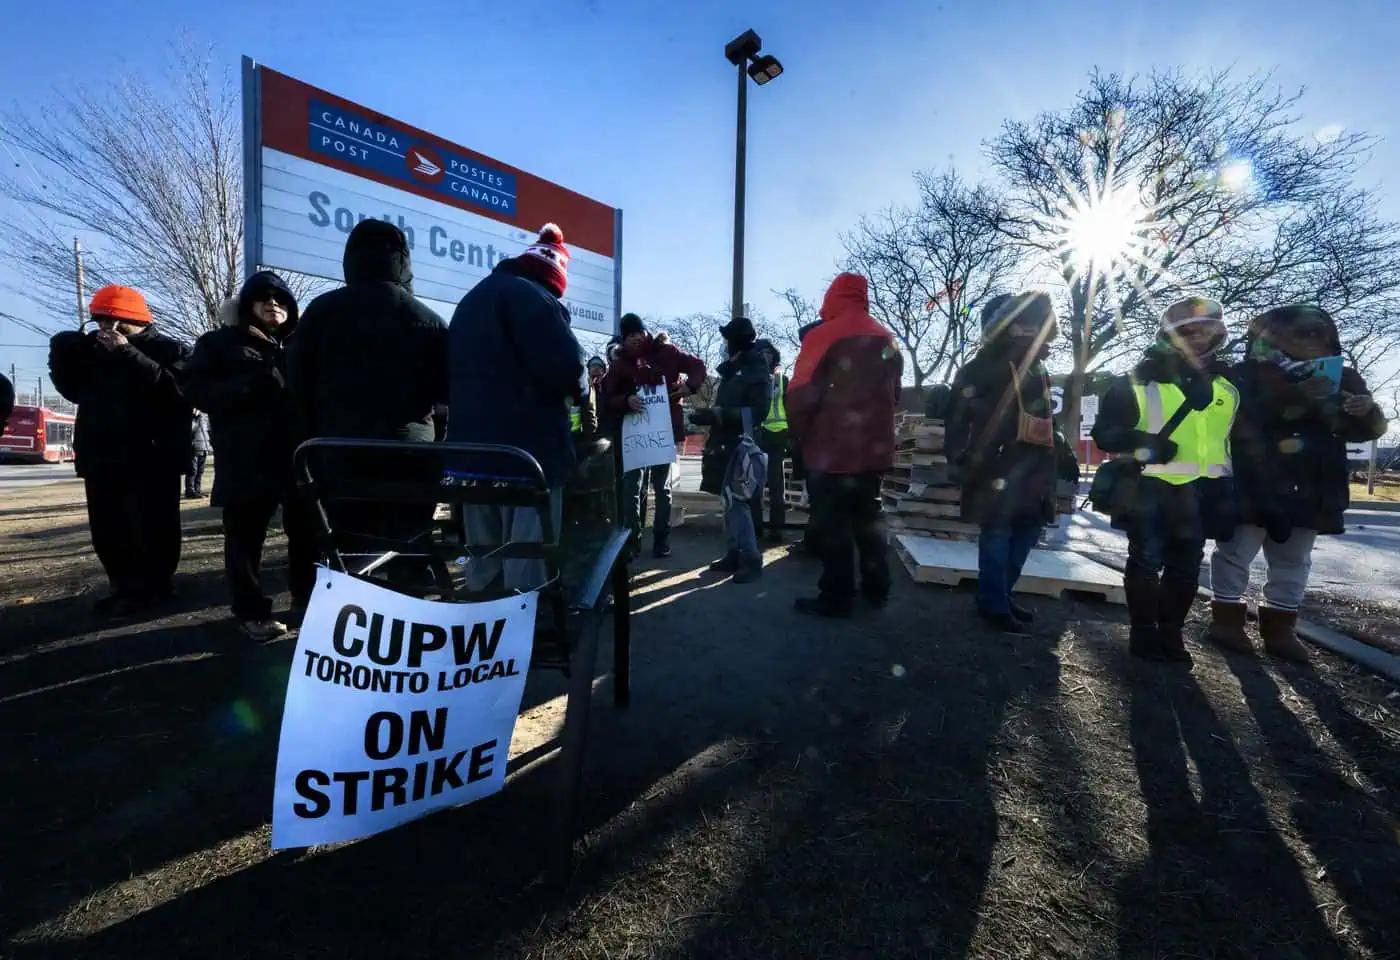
{"x": 916, "y": 458}
{"x": 897, "y": 529}
{"x": 900, "y": 505}
{"x": 1048, "y": 573}
{"x": 920, "y": 490}
{"x": 920, "y": 445}
{"x": 938, "y": 525}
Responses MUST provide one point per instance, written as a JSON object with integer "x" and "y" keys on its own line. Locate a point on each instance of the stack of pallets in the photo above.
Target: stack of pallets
{"x": 794, "y": 490}
{"x": 918, "y": 496}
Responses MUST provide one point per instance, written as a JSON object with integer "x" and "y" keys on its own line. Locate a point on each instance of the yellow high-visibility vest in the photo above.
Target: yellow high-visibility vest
{"x": 1203, "y": 437}
{"x": 776, "y": 421}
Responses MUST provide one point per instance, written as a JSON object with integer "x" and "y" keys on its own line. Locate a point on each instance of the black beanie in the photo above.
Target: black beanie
{"x": 738, "y": 333}
{"x": 630, "y": 324}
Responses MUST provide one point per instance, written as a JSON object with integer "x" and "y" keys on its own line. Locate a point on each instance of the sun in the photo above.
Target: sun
{"x": 1102, "y": 231}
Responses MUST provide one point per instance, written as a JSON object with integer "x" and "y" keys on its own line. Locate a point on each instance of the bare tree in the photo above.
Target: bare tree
{"x": 929, "y": 265}
{"x": 149, "y": 176}
{"x": 798, "y": 312}
{"x": 1208, "y": 181}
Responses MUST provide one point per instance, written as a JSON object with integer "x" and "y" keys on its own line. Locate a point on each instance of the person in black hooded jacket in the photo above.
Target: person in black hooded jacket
{"x": 369, "y": 362}
{"x": 238, "y": 376}
{"x": 1185, "y": 494}
{"x": 131, "y": 440}
{"x": 1290, "y": 469}
{"x": 745, "y": 385}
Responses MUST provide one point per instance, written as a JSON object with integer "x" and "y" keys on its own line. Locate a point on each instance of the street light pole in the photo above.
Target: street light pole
{"x": 736, "y": 307}
{"x": 740, "y": 51}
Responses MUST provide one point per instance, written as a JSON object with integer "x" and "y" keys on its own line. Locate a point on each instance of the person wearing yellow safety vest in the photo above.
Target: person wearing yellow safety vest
{"x": 1185, "y": 494}
{"x": 772, "y": 437}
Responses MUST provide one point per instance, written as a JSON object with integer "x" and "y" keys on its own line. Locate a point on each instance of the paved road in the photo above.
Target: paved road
{"x": 1364, "y": 563}
{"x": 16, "y": 475}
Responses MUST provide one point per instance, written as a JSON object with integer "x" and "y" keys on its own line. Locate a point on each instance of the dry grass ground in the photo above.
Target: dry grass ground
{"x": 901, "y": 785}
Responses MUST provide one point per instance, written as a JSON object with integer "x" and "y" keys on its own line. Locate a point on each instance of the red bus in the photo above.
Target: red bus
{"x": 37, "y": 435}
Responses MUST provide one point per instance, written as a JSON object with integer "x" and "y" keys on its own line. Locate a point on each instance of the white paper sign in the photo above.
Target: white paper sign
{"x": 396, "y": 707}
{"x": 648, "y": 437}
{"x": 1088, "y": 414}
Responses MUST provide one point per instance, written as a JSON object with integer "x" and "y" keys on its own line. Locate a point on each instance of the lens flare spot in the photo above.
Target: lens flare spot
{"x": 1237, "y": 175}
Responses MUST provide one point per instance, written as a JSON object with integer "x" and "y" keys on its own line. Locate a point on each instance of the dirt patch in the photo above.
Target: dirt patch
{"x": 900, "y": 785}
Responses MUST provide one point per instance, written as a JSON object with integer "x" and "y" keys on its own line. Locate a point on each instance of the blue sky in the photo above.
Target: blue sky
{"x": 633, "y": 103}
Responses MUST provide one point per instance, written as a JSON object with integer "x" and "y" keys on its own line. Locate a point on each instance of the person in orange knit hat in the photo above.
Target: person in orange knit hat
{"x": 131, "y": 443}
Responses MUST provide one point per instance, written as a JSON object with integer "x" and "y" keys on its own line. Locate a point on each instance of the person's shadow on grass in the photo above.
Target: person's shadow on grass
{"x": 1218, "y": 878}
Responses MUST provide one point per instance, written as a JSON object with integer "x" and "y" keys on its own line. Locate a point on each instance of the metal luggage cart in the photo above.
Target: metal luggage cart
{"x": 390, "y": 490}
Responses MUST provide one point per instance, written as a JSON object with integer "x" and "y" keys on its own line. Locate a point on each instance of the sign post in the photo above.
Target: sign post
{"x": 316, "y": 164}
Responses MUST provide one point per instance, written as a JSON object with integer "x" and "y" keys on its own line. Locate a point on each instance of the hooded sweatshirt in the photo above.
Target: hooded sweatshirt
{"x": 368, "y": 360}
{"x": 845, "y": 388}
{"x": 237, "y": 375}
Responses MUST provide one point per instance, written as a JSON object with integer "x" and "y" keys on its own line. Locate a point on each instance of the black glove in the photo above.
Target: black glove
{"x": 704, "y": 417}
{"x": 1156, "y": 449}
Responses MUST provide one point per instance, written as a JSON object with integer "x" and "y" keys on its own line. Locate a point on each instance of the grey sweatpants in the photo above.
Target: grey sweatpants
{"x": 1288, "y": 566}
{"x": 488, "y": 525}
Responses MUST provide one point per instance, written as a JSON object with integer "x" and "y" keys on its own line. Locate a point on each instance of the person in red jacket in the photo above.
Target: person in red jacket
{"x": 646, "y": 361}
{"x": 840, "y": 407}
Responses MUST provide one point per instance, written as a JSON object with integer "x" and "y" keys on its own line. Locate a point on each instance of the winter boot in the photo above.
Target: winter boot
{"x": 1227, "y": 622}
{"x": 1141, "y": 588}
{"x": 749, "y": 569}
{"x": 1276, "y": 627}
{"x": 727, "y": 563}
{"x": 1174, "y": 601}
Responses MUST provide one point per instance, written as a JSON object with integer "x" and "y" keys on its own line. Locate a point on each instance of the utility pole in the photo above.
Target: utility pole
{"x": 1371, "y": 471}
{"x": 39, "y": 390}
{"x": 736, "y": 299}
{"x": 78, "y": 263}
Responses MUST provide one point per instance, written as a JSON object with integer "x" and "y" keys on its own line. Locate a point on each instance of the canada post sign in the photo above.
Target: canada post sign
{"x": 317, "y": 164}
{"x": 337, "y": 132}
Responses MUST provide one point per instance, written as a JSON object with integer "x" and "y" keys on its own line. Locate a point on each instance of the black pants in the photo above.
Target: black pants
{"x": 194, "y": 479}
{"x": 776, "y": 448}
{"x": 134, "y": 518}
{"x": 245, "y": 530}
{"x": 1159, "y": 552}
{"x": 846, "y": 510}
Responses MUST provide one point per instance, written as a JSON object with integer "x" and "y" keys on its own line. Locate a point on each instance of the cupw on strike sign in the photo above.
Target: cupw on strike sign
{"x": 395, "y": 707}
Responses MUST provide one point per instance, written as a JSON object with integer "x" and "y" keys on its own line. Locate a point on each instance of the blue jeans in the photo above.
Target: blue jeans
{"x": 739, "y": 530}
{"x": 634, "y": 493}
{"x": 1001, "y": 553}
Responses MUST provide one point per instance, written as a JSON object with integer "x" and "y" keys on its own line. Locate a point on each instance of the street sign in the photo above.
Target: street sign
{"x": 1360, "y": 451}
{"x": 316, "y": 164}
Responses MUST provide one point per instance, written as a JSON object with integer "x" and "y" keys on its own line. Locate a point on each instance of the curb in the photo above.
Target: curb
{"x": 1386, "y": 664}
{"x": 1384, "y": 506}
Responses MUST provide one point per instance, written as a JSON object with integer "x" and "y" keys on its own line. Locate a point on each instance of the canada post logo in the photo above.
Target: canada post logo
{"x": 359, "y": 140}
{"x": 425, "y": 165}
